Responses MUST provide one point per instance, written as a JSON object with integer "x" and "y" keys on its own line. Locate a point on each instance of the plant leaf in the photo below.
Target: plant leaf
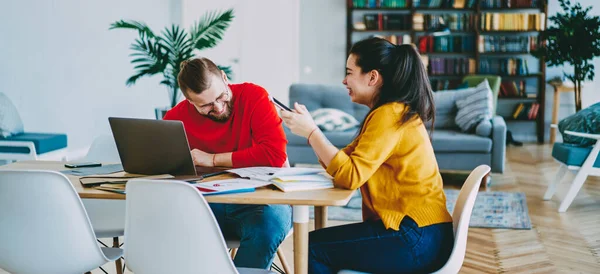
{"x": 209, "y": 30}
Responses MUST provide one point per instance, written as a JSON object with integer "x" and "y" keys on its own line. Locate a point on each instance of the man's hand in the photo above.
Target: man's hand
{"x": 202, "y": 158}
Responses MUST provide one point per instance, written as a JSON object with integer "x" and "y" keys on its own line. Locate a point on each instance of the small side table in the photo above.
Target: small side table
{"x": 558, "y": 88}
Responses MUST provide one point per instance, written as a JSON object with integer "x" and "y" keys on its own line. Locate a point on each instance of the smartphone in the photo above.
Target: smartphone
{"x": 82, "y": 164}
{"x": 281, "y": 105}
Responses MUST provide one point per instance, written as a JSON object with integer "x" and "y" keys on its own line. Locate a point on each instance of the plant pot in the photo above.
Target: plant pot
{"x": 160, "y": 112}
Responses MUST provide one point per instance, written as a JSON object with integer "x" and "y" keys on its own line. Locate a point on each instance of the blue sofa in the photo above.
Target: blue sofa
{"x": 454, "y": 150}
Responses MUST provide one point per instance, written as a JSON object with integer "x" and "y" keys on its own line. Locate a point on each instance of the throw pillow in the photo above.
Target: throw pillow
{"x": 331, "y": 119}
{"x": 10, "y": 121}
{"x": 475, "y": 107}
{"x": 445, "y": 105}
{"x": 586, "y": 120}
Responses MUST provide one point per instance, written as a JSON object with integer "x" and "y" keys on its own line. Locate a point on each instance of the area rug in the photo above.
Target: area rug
{"x": 492, "y": 209}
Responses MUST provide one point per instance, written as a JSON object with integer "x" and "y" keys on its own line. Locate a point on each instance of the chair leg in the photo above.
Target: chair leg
{"x": 284, "y": 263}
{"x": 118, "y": 264}
{"x": 574, "y": 189}
{"x": 557, "y": 178}
{"x": 582, "y": 174}
{"x": 233, "y": 252}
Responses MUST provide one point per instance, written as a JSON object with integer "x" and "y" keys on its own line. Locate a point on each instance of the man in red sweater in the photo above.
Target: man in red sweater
{"x": 235, "y": 125}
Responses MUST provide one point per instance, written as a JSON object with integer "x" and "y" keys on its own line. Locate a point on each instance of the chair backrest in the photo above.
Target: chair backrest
{"x": 461, "y": 218}
{"x": 103, "y": 149}
{"x": 45, "y": 228}
{"x": 170, "y": 228}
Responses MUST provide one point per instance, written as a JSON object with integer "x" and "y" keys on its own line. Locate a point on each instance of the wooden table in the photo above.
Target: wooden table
{"x": 299, "y": 201}
{"x": 556, "y": 106}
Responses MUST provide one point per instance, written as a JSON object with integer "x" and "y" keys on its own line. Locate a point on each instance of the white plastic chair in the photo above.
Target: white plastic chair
{"x": 460, "y": 221}
{"x": 170, "y": 228}
{"x": 107, "y": 216}
{"x": 588, "y": 168}
{"x": 45, "y": 228}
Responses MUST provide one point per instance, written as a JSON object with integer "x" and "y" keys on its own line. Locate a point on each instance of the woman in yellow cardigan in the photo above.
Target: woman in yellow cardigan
{"x": 406, "y": 227}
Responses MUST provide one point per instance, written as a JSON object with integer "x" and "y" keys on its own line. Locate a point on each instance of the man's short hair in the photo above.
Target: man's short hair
{"x": 194, "y": 75}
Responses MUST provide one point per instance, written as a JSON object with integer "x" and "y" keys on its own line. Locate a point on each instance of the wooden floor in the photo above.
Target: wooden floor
{"x": 558, "y": 242}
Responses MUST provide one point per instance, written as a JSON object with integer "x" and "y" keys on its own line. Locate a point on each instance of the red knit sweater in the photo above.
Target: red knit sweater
{"x": 253, "y": 132}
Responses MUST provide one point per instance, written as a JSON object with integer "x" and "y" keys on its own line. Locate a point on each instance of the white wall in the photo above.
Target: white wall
{"x": 322, "y": 41}
{"x": 261, "y": 44}
{"x": 66, "y": 72}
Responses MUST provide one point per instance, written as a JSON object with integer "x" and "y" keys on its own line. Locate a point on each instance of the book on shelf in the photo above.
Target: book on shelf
{"x": 378, "y": 3}
{"x": 503, "y": 66}
{"x": 513, "y": 89}
{"x": 526, "y": 111}
{"x": 446, "y": 44}
{"x": 451, "y": 66}
{"x": 518, "y": 44}
{"x": 454, "y": 21}
{"x": 383, "y": 21}
{"x": 509, "y": 4}
{"x": 492, "y": 21}
{"x": 396, "y": 39}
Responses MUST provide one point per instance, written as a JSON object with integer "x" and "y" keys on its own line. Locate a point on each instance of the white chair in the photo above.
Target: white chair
{"x": 583, "y": 160}
{"x": 460, "y": 221}
{"x": 170, "y": 228}
{"x": 107, "y": 216}
{"x": 45, "y": 228}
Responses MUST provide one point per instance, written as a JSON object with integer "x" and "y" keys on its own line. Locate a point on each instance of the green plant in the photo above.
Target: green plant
{"x": 574, "y": 39}
{"x": 154, "y": 54}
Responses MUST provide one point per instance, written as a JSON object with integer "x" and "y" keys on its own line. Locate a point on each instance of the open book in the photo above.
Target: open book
{"x": 288, "y": 179}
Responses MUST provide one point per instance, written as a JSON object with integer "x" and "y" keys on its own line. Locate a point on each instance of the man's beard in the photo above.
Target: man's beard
{"x": 223, "y": 117}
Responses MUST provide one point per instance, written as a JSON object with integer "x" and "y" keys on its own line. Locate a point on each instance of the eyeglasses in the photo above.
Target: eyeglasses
{"x": 205, "y": 109}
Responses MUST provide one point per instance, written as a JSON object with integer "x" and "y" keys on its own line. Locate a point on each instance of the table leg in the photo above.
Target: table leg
{"x": 320, "y": 217}
{"x": 300, "y": 218}
{"x": 555, "y": 109}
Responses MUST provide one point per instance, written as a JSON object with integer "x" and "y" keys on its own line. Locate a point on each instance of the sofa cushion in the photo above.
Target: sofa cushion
{"x": 326, "y": 96}
{"x": 337, "y": 138}
{"x": 43, "y": 142}
{"x": 10, "y": 121}
{"x": 572, "y": 155}
{"x": 445, "y": 106}
{"x": 455, "y": 141}
{"x": 331, "y": 119}
{"x": 474, "y": 108}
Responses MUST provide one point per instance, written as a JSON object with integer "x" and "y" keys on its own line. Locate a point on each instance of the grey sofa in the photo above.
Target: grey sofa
{"x": 454, "y": 149}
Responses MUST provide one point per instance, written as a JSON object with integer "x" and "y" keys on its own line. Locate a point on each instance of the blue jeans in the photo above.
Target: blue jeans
{"x": 260, "y": 228}
{"x": 369, "y": 247}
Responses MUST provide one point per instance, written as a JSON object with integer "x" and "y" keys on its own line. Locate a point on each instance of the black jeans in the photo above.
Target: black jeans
{"x": 369, "y": 247}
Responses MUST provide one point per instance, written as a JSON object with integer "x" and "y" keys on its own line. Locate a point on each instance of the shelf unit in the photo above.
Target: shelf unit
{"x": 478, "y": 13}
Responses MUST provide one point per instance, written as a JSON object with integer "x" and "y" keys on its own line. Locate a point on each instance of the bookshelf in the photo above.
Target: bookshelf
{"x": 486, "y": 37}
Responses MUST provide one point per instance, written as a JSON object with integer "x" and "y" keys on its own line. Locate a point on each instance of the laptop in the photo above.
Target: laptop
{"x": 153, "y": 147}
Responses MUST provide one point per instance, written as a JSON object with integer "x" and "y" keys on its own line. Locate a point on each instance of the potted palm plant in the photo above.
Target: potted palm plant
{"x": 163, "y": 54}
{"x": 573, "y": 39}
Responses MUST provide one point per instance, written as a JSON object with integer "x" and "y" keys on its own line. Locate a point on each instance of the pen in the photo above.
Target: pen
{"x": 207, "y": 175}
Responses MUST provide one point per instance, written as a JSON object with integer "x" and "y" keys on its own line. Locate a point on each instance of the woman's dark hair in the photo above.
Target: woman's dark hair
{"x": 404, "y": 77}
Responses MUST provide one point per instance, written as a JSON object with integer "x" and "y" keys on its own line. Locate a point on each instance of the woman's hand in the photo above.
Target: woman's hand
{"x": 299, "y": 120}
